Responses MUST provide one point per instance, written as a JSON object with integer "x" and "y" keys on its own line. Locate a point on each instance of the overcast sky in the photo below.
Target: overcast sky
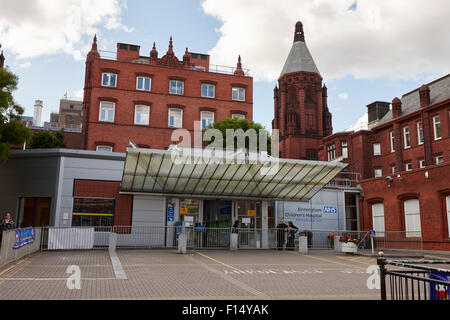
{"x": 365, "y": 50}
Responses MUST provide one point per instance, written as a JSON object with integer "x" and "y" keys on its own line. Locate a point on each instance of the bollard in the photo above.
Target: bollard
{"x": 381, "y": 261}
{"x": 234, "y": 241}
{"x": 112, "y": 241}
{"x": 337, "y": 244}
{"x": 182, "y": 243}
{"x": 303, "y": 245}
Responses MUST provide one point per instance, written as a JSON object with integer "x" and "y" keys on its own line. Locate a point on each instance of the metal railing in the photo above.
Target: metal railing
{"x": 418, "y": 282}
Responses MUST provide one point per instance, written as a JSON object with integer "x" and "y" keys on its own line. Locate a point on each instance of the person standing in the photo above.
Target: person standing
{"x": 6, "y": 224}
{"x": 291, "y": 236}
{"x": 281, "y": 231}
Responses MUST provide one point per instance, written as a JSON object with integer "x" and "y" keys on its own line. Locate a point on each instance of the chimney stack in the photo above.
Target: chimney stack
{"x": 396, "y": 108}
{"x": 37, "y": 116}
{"x": 424, "y": 93}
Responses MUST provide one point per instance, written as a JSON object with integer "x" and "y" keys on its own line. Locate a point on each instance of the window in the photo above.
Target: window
{"x": 331, "y": 152}
{"x": 447, "y": 201}
{"x": 142, "y": 115}
{"x": 378, "y": 219}
{"x": 208, "y": 90}
{"x": 376, "y": 149}
{"x": 422, "y": 163}
{"x": 412, "y": 218}
{"x": 391, "y": 136}
{"x": 109, "y": 80}
{"x": 237, "y": 116}
{"x": 176, "y": 87}
{"x": 143, "y": 83}
{"x": 344, "y": 149}
{"x": 437, "y": 127}
{"x": 394, "y": 170}
{"x": 439, "y": 159}
{"x": 175, "y": 118}
{"x": 104, "y": 148}
{"x": 419, "y": 133}
{"x": 406, "y": 138}
{"x": 238, "y": 94}
{"x": 207, "y": 118}
{"x": 107, "y": 111}
{"x": 378, "y": 173}
{"x": 93, "y": 212}
{"x": 408, "y": 166}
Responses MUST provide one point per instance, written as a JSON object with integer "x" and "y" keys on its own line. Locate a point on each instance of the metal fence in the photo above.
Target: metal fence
{"x": 418, "y": 282}
{"x": 200, "y": 237}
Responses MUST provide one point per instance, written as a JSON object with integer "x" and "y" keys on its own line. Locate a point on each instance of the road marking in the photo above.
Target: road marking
{"x": 239, "y": 284}
{"x": 217, "y": 261}
{"x": 118, "y": 269}
{"x": 53, "y": 279}
{"x": 14, "y": 265}
{"x": 324, "y": 259}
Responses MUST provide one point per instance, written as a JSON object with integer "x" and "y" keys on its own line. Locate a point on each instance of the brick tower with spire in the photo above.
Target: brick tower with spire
{"x": 300, "y": 103}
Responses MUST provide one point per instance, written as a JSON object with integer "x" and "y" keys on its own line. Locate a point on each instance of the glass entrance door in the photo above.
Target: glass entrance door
{"x": 249, "y": 216}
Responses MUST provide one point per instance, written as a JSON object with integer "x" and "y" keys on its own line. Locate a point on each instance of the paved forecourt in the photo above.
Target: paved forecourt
{"x": 165, "y": 274}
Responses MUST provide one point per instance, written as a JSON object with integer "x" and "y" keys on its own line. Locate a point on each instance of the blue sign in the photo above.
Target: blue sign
{"x": 200, "y": 228}
{"x": 439, "y": 291}
{"x": 372, "y": 233}
{"x": 179, "y": 228}
{"x": 170, "y": 213}
{"x": 24, "y": 237}
{"x": 329, "y": 210}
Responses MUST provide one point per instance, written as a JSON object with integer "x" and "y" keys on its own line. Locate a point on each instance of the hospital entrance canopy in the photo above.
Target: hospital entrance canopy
{"x": 207, "y": 175}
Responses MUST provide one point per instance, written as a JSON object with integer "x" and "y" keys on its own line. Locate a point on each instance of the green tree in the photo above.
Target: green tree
{"x": 245, "y": 125}
{"x": 47, "y": 140}
{"x": 12, "y": 132}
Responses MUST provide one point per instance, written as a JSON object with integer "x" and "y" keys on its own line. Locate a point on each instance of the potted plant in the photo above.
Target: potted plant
{"x": 349, "y": 245}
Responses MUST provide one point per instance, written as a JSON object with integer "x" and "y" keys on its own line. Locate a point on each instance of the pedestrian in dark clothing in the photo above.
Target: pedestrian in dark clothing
{"x": 6, "y": 224}
{"x": 291, "y": 236}
{"x": 235, "y": 227}
{"x": 281, "y": 231}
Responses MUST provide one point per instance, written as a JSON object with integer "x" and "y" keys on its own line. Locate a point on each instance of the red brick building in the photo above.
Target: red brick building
{"x": 144, "y": 98}
{"x": 402, "y": 158}
{"x": 300, "y": 104}
{"x": 404, "y": 162}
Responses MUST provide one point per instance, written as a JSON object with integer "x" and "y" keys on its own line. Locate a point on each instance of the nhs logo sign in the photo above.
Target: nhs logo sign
{"x": 329, "y": 210}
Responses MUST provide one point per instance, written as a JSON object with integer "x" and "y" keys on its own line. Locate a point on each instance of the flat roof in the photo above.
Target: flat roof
{"x": 207, "y": 175}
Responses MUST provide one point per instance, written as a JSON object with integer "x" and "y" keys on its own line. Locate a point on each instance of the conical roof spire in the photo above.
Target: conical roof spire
{"x": 239, "y": 71}
{"x": 94, "y": 53}
{"x": 299, "y": 58}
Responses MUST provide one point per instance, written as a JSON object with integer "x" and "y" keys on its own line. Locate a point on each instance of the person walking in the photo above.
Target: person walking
{"x": 281, "y": 230}
{"x": 291, "y": 236}
{"x": 6, "y": 224}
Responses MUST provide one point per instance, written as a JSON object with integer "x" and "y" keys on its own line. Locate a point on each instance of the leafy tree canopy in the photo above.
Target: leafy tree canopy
{"x": 12, "y": 132}
{"x": 47, "y": 140}
{"x": 236, "y": 124}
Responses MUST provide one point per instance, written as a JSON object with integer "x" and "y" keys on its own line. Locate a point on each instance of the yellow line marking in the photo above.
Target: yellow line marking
{"x": 14, "y": 265}
{"x": 355, "y": 260}
{"x": 217, "y": 261}
{"x": 327, "y": 260}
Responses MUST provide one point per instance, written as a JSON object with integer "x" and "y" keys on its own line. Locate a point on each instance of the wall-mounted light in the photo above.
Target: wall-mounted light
{"x": 427, "y": 175}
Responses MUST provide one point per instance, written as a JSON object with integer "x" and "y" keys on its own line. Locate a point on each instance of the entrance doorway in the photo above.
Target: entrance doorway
{"x": 249, "y": 216}
{"x": 217, "y": 213}
{"x": 34, "y": 212}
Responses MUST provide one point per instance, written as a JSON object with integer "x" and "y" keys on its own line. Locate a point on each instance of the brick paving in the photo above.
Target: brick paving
{"x": 164, "y": 274}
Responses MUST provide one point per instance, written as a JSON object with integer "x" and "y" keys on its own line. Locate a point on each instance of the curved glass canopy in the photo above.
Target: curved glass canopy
{"x": 206, "y": 174}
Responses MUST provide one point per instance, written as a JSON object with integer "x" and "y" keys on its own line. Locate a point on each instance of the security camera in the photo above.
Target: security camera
{"x": 388, "y": 179}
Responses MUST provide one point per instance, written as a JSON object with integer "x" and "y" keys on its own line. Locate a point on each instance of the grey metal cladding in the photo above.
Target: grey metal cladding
{"x": 299, "y": 59}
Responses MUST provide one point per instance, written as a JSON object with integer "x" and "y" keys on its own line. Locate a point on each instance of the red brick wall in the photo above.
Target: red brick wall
{"x": 431, "y": 193}
{"x": 157, "y": 134}
{"x": 107, "y": 189}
